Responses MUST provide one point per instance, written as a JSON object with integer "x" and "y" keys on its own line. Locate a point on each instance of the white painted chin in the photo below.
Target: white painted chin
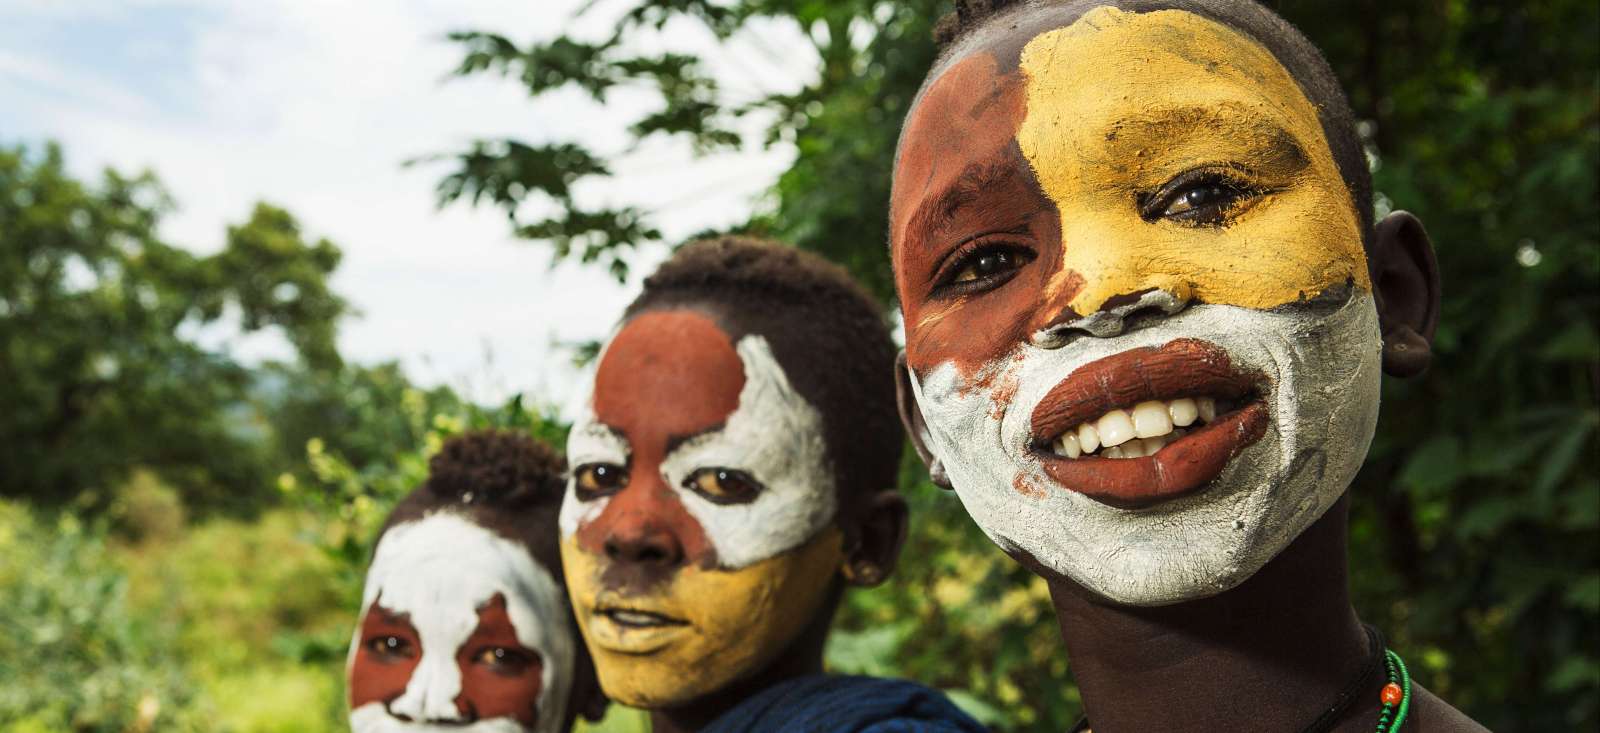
{"x": 1321, "y": 392}
{"x": 372, "y": 718}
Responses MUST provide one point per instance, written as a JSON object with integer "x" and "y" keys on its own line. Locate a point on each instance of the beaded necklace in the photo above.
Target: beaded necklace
{"x": 1395, "y": 695}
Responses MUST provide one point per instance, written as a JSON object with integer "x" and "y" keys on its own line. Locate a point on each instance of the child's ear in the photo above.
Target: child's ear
{"x": 879, "y": 534}
{"x": 911, "y": 418}
{"x": 1406, "y": 288}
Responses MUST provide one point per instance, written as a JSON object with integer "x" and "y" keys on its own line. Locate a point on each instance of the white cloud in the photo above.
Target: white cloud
{"x": 314, "y": 104}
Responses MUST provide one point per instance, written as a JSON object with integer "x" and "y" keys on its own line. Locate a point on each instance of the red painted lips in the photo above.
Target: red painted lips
{"x": 1181, "y": 368}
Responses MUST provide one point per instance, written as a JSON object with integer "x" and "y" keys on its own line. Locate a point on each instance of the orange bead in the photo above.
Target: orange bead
{"x": 1391, "y": 694}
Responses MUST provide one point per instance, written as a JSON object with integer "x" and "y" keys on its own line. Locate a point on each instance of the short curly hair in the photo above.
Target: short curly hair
{"x": 830, "y": 336}
{"x": 504, "y": 481}
{"x": 1251, "y": 18}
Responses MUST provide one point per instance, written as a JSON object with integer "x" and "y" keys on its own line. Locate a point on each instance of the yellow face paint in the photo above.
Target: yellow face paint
{"x": 1120, "y": 105}
{"x": 736, "y": 621}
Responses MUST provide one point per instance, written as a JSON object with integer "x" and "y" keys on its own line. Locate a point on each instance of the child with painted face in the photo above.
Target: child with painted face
{"x": 732, "y": 471}
{"x": 1146, "y": 311}
{"x": 464, "y": 622}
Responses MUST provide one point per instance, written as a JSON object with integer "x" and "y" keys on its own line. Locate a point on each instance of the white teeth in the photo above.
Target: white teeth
{"x": 1142, "y": 431}
{"x": 1183, "y": 411}
{"x": 1150, "y": 419}
{"x": 1115, "y": 428}
{"x": 1067, "y": 445}
{"x": 1088, "y": 438}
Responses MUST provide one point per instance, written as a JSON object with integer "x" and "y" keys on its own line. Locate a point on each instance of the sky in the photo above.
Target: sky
{"x": 313, "y": 105}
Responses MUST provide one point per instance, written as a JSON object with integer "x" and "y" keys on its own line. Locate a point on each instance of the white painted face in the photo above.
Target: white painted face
{"x": 798, "y": 497}
{"x": 462, "y": 631}
{"x": 1319, "y": 385}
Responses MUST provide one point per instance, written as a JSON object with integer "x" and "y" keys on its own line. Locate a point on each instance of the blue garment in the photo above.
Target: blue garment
{"x": 839, "y": 704}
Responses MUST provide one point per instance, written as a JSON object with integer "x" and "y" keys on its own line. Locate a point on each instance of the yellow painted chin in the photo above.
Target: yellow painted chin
{"x": 737, "y": 621}
{"x": 1121, "y": 103}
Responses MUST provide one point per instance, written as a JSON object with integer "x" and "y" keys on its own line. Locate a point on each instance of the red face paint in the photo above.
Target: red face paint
{"x": 389, "y": 650}
{"x": 666, "y": 377}
{"x": 504, "y": 684}
{"x": 960, "y": 184}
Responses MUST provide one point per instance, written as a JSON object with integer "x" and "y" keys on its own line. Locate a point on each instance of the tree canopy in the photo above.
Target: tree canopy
{"x": 100, "y": 344}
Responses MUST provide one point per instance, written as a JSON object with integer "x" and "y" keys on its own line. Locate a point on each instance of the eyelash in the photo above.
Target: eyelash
{"x": 1231, "y": 180}
{"x": 967, "y": 255}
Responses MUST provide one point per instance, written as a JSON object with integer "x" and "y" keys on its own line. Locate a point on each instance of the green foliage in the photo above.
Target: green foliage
{"x": 72, "y": 654}
{"x": 97, "y": 320}
{"x": 1478, "y": 514}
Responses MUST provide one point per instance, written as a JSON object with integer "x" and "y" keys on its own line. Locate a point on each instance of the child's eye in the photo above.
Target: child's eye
{"x": 723, "y": 485}
{"x": 503, "y": 659}
{"x": 985, "y": 263}
{"x": 595, "y": 480}
{"x": 1206, "y": 198}
{"x": 983, "y": 268}
{"x": 391, "y": 648}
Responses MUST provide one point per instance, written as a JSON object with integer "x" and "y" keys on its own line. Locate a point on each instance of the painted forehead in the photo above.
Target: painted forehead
{"x": 668, "y": 376}
{"x": 447, "y": 559}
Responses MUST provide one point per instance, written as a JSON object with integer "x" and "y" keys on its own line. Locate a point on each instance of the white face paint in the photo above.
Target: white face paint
{"x": 1321, "y": 393}
{"x": 438, "y": 571}
{"x": 372, "y": 718}
{"x": 775, "y": 436}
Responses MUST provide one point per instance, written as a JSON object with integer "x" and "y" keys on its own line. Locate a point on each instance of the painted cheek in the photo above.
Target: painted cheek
{"x": 381, "y": 678}
{"x": 961, "y": 137}
{"x": 488, "y": 692}
{"x": 648, "y": 511}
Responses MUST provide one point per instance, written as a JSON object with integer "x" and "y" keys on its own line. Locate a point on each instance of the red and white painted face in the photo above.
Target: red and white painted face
{"x": 1138, "y": 314}
{"x": 697, "y": 530}
{"x": 460, "y": 630}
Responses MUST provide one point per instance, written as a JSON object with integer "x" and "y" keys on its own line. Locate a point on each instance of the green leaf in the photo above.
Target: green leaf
{"x": 1433, "y": 467}
{"x": 1584, "y": 593}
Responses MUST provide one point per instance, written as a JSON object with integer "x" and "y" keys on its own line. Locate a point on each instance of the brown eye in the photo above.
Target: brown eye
{"x": 986, "y": 264}
{"x": 503, "y": 659}
{"x": 1208, "y": 198}
{"x": 391, "y": 648}
{"x": 595, "y": 480}
{"x": 1213, "y": 196}
{"x": 723, "y": 485}
{"x": 980, "y": 268}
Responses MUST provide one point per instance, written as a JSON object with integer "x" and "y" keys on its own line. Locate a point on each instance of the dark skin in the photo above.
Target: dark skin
{"x": 874, "y": 528}
{"x": 1270, "y": 654}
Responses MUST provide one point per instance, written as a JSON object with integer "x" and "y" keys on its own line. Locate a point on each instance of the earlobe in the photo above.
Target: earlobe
{"x": 911, "y": 418}
{"x": 879, "y": 537}
{"x": 1406, "y": 288}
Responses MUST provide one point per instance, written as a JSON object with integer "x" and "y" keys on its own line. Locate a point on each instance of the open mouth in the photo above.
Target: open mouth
{"x": 621, "y": 626}
{"x": 636, "y": 619}
{"x": 1149, "y": 424}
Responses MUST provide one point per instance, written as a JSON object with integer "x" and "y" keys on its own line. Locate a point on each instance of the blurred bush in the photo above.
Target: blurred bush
{"x": 74, "y": 654}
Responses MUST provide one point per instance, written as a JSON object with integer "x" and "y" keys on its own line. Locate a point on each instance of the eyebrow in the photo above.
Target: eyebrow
{"x": 1273, "y": 147}
{"x": 938, "y": 212}
{"x": 674, "y": 442}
